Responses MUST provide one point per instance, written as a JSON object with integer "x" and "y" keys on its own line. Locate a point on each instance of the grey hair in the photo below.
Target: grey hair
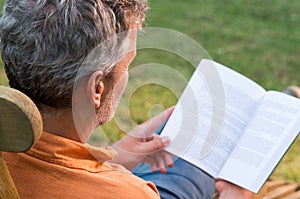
{"x": 44, "y": 42}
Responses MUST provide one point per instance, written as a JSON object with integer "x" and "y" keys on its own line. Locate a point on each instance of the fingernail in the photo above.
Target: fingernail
{"x": 165, "y": 140}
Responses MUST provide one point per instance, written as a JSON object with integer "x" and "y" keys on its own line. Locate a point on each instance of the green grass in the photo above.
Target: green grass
{"x": 260, "y": 39}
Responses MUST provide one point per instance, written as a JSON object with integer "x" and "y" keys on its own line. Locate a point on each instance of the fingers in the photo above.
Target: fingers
{"x": 219, "y": 184}
{"x": 160, "y": 161}
{"x": 168, "y": 159}
{"x": 156, "y": 143}
{"x": 150, "y": 160}
{"x": 229, "y": 190}
{"x": 165, "y": 162}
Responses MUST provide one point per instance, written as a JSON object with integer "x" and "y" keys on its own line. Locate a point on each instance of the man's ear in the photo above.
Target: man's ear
{"x": 96, "y": 87}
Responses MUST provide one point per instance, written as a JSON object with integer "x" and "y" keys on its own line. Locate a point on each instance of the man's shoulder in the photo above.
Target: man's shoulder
{"x": 112, "y": 181}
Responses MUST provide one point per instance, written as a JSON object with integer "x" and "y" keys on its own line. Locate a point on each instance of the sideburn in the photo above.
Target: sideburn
{"x": 105, "y": 111}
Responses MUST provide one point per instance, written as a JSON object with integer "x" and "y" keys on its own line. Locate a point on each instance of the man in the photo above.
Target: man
{"x": 48, "y": 49}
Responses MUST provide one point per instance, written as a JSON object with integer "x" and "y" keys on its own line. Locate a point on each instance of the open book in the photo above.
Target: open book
{"x": 232, "y": 128}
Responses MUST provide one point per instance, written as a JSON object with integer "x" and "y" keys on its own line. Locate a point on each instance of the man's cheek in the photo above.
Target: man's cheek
{"x": 119, "y": 90}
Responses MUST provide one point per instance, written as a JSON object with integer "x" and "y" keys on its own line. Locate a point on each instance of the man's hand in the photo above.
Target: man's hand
{"x": 228, "y": 190}
{"x": 142, "y": 145}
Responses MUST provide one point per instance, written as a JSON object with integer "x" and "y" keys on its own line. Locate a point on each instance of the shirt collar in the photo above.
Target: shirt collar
{"x": 65, "y": 152}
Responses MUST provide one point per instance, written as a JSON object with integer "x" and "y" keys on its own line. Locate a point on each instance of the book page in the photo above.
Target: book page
{"x": 209, "y": 120}
{"x": 271, "y": 132}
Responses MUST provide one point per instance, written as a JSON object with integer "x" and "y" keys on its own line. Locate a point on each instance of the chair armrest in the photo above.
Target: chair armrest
{"x": 20, "y": 121}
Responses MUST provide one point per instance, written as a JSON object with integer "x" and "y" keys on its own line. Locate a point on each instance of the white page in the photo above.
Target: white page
{"x": 272, "y": 130}
{"x": 191, "y": 121}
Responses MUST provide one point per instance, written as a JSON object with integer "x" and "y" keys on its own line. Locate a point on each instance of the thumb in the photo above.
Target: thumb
{"x": 219, "y": 185}
{"x": 156, "y": 144}
{"x": 149, "y": 127}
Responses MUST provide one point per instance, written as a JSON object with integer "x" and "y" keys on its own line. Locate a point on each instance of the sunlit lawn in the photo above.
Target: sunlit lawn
{"x": 260, "y": 39}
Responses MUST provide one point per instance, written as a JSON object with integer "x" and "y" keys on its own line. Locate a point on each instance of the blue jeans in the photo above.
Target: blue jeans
{"x": 183, "y": 181}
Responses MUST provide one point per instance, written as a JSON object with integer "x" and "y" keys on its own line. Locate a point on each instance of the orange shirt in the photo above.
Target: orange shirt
{"x": 57, "y": 167}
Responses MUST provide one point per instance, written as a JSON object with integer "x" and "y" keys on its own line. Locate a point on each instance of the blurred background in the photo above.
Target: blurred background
{"x": 260, "y": 39}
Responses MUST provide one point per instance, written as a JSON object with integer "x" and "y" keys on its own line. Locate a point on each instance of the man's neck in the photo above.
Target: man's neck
{"x": 64, "y": 126}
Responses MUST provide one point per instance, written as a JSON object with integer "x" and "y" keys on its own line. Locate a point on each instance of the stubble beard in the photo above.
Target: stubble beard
{"x": 105, "y": 111}
{"x": 110, "y": 99}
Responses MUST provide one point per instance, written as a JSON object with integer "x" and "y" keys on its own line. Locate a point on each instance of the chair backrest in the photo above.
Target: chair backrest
{"x": 20, "y": 127}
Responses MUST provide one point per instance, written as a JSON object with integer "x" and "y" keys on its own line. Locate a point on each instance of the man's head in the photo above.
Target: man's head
{"x": 44, "y": 43}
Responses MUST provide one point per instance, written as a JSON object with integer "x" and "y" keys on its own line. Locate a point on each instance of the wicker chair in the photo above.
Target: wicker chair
{"x": 279, "y": 189}
{"x": 20, "y": 128}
